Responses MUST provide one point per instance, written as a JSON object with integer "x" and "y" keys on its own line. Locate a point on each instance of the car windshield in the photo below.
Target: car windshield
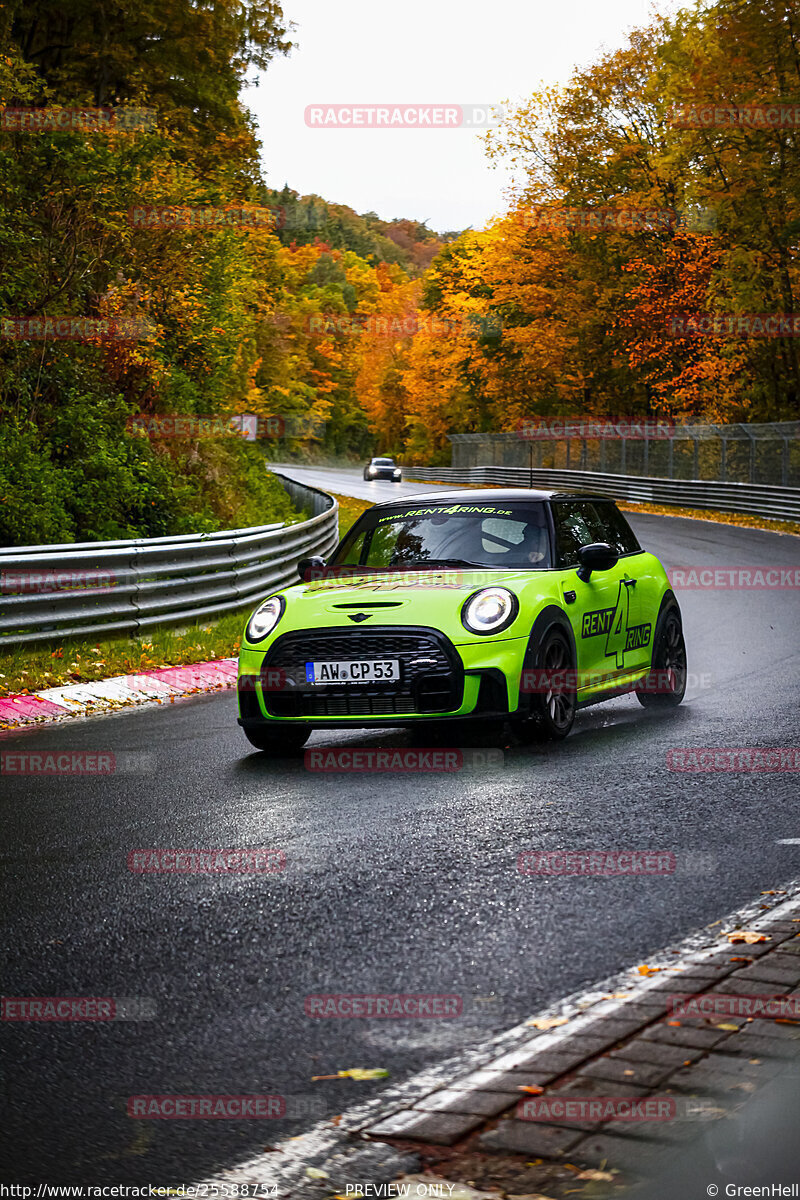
{"x": 505, "y": 535}
{"x": 383, "y": 462}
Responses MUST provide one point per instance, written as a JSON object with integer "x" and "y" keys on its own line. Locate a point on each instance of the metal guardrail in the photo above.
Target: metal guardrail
{"x": 779, "y": 503}
{"x": 129, "y": 586}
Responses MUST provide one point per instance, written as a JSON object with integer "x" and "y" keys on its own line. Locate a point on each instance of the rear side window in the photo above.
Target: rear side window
{"x": 580, "y": 522}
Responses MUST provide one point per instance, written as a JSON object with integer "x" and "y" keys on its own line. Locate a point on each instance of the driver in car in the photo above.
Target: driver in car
{"x": 533, "y": 547}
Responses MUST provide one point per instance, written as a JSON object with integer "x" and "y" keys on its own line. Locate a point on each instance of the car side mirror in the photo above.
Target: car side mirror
{"x": 597, "y": 556}
{"x": 311, "y": 568}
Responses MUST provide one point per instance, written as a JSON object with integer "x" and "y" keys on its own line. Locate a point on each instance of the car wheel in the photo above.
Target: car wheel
{"x": 552, "y": 712}
{"x": 278, "y": 742}
{"x": 666, "y": 683}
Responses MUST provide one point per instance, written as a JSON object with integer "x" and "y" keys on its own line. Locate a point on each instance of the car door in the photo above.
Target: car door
{"x": 602, "y": 609}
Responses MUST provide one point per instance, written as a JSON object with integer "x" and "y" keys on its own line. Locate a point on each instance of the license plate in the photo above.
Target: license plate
{"x": 371, "y": 670}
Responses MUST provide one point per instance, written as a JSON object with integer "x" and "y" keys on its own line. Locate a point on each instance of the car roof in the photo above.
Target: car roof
{"x": 484, "y": 494}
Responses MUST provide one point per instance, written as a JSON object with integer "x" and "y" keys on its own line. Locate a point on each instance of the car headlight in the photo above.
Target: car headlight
{"x": 397, "y": 474}
{"x": 265, "y": 618}
{"x": 489, "y": 610}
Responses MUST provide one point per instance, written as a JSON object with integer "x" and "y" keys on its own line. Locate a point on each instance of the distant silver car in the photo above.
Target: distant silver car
{"x": 383, "y": 468}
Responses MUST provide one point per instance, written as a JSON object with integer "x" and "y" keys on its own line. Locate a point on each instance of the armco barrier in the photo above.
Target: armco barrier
{"x": 156, "y": 581}
{"x": 779, "y": 503}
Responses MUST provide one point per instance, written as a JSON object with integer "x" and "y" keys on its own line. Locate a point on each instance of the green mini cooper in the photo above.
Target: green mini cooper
{"x": 501, "y": 605}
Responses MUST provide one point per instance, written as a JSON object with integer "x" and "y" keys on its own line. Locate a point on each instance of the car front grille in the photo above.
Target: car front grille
{"x": 431, "y": 674}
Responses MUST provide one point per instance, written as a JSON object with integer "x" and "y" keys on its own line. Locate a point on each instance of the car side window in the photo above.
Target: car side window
{"x": 576, "y": 524}
{"x": 618, "y": 532}
{"x": 580, "y": 522}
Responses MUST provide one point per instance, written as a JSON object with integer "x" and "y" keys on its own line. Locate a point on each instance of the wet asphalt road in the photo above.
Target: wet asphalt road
{"x": 393, "y": 884}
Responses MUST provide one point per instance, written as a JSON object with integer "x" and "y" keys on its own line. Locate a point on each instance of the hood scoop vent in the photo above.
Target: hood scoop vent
{"x": 371, "y": 604}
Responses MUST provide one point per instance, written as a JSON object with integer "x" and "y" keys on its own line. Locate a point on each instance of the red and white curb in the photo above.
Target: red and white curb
{"x": 340, "y": 1151}
{"x": 83, "y": 699}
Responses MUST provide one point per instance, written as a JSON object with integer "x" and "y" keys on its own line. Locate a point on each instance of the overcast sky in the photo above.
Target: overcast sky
{"x": 420, "y": 51}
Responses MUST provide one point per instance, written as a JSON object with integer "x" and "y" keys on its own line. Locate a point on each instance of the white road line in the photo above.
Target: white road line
{"x": 788, "y": 842}
{"x": 330, "y": 1148}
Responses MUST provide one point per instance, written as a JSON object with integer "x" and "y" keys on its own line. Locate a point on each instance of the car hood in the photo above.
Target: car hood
{"x": 429, "y": 597}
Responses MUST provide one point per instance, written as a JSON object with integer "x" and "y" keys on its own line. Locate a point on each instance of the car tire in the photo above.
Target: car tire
{"x": 669, "y": 654}
{"x": 552, "y": 713}
{"x": 280, "y": 743}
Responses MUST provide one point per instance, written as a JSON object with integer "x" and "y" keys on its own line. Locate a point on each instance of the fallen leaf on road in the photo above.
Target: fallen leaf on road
{"x": 673, "y": 1022}
{"x": 315, "y": 1173}
{"x": 628, "y": 1072}
{"x": 645, "y": 970}
{"x": 336, "y": 1120}
{"x": 747, "y": 935}
{"x": 730, "y": 1028}
{"x": 534, "y": 1091}
{"x": 547, "y": 1022}
{"x": 616, "y": 996}
{"x": 780, "y": 892}
{"x": 356, "y": 1073}
{"x": 599, "y": 1175}
{"x": 740, "y": 958}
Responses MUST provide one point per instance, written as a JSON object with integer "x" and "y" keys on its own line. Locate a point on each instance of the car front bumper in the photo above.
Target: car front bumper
{"x": 439, "y": 680}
